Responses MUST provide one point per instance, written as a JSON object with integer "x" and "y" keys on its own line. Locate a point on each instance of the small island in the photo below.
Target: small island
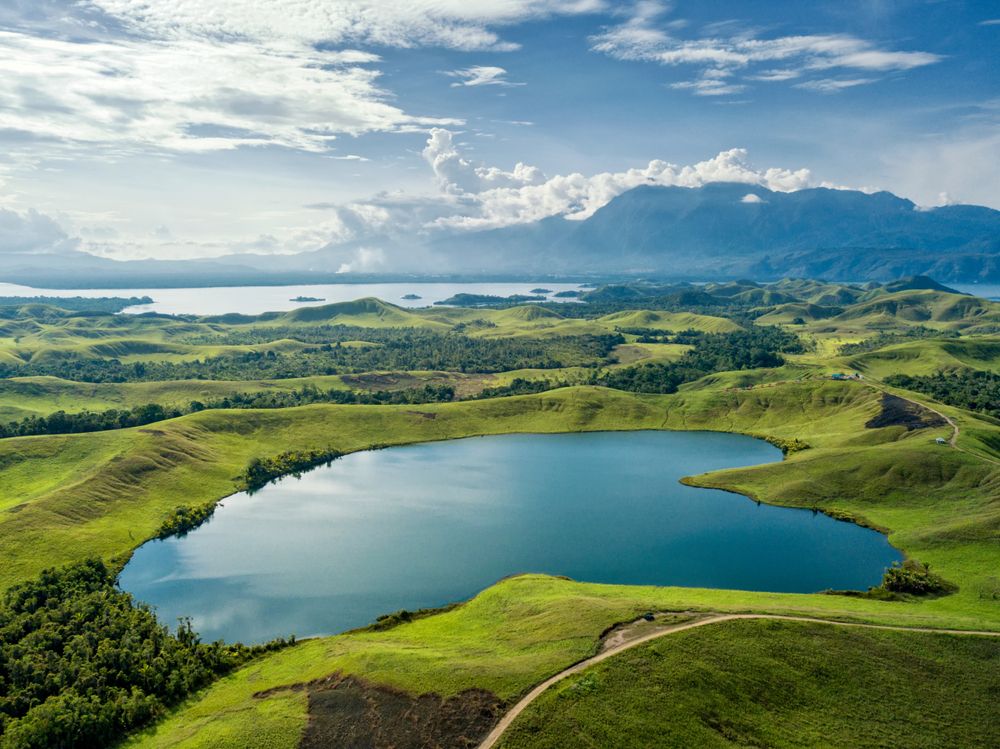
{"x": 541, "y": 291}
{"x": 307, "y": 299}
{"x": 487, "y": 300}
{"x": 411, "y": 297}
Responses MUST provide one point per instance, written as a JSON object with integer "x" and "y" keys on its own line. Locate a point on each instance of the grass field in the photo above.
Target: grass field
{"x": 776, "y": 684}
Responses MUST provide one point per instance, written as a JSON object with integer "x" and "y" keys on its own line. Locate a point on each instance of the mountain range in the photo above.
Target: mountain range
{"x": 719, "y": 230}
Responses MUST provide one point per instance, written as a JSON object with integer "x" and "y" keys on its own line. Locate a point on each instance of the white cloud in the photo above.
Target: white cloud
{"x": 457, "y": 174}
{"x": 713, "y": 82}
{"x": 457, "y": 24}
{"x": 31, "y": 231}
{"x": 643, "y": 37}
{"x": 481, "y": 75}
{"x": 752, "y": 198}
{"x": 189, "y": 95}
{"x": 833, "y": 85}
{"x": 960, "y": 165}
{"x": 778, "y": 74}
{"x": 206, "y": 75}
{"x": 575, "y": 196}
{"x": 365, "y": 260}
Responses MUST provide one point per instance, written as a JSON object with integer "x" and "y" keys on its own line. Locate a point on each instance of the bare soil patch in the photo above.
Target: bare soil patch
{"x": 349, "y": 713}
{"x": 900, "y": 412}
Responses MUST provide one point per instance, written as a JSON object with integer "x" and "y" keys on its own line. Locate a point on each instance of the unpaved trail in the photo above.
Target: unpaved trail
{"x": 535, "y": 693}
{"x": 953, "y": 440}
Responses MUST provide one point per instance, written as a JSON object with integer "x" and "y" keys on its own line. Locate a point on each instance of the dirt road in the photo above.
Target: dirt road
{"x": 535, "y": 693}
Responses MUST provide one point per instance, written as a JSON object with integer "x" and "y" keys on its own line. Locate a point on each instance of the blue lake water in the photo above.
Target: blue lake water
{"x": 424, "y": 525}
{"x": 253, "y": 300}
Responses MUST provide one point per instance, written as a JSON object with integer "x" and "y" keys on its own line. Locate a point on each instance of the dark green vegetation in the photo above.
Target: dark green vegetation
{"x": 968, "y": 389}
{"x": 260, "y": 471}
{"x": 76, "y": 303}
{"x": 753, "y": 348}
{"x": 916, "y": 579}
{"x": 81, "y": 663}
{"x": 488, "y": 300}
{"x": 184, "y": 519}
{"x": 776, "y": 684}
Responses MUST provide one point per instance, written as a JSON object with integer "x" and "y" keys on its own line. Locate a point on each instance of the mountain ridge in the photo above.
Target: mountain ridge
{"x": 719, "y": 230}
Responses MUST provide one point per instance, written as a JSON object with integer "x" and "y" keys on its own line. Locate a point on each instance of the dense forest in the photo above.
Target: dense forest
{"x": 713, "y": 352}
{"x": 404, "y": 349}
{"x": 81, "y": 663}
{"x": 969, "y": 389}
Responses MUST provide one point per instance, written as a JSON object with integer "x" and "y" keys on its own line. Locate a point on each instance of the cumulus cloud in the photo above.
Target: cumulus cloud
{"x": 481, "y": 75}
{"x": 31, "y": 231}
{"x": 752, "y": 198}
{"x": 456, "y": 174}
{"x": 644, "y": 37}
{"x": 525, "y": 194}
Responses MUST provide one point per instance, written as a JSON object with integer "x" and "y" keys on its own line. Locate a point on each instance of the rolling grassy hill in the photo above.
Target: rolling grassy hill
{"x": 928, "y": 356}
{"x": 775, "y": 684}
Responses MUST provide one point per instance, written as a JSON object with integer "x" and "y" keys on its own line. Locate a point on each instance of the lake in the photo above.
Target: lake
{"x": 253, "y": 300}
{"x": 425, "y": 525}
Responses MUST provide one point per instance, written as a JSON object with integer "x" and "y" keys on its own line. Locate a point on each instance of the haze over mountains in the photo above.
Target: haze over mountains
{"x": 716, "y": 231}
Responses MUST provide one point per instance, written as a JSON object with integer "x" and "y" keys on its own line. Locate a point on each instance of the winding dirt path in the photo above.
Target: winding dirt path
{"x": 535, "y": 693}
{"x": 953, "y": 440}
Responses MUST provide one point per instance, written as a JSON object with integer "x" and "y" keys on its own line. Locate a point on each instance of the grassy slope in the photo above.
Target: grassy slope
{"x": 925, "y": 357}
{"x": 776, "y": 684}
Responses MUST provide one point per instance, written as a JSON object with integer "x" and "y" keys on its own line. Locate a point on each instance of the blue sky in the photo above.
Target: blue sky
{"x": 189, "y": 128}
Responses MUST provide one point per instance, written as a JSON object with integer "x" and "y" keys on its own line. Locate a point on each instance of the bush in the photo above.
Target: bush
{"x": 916, "y": 579}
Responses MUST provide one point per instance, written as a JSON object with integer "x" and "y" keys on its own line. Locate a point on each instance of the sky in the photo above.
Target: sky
{"x": 197, "y": 128}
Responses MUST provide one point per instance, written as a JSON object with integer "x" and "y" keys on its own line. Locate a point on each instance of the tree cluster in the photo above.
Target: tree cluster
{"x": 966, "y": 388}
{"x": 752, "y": 348}
{"x": 81, "y": 663}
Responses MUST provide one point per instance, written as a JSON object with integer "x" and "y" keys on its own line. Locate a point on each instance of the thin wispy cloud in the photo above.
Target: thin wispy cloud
{"x": 647, "y": 36}
{"x": 833, "y": 85}
{"x": 481, "y": 75}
